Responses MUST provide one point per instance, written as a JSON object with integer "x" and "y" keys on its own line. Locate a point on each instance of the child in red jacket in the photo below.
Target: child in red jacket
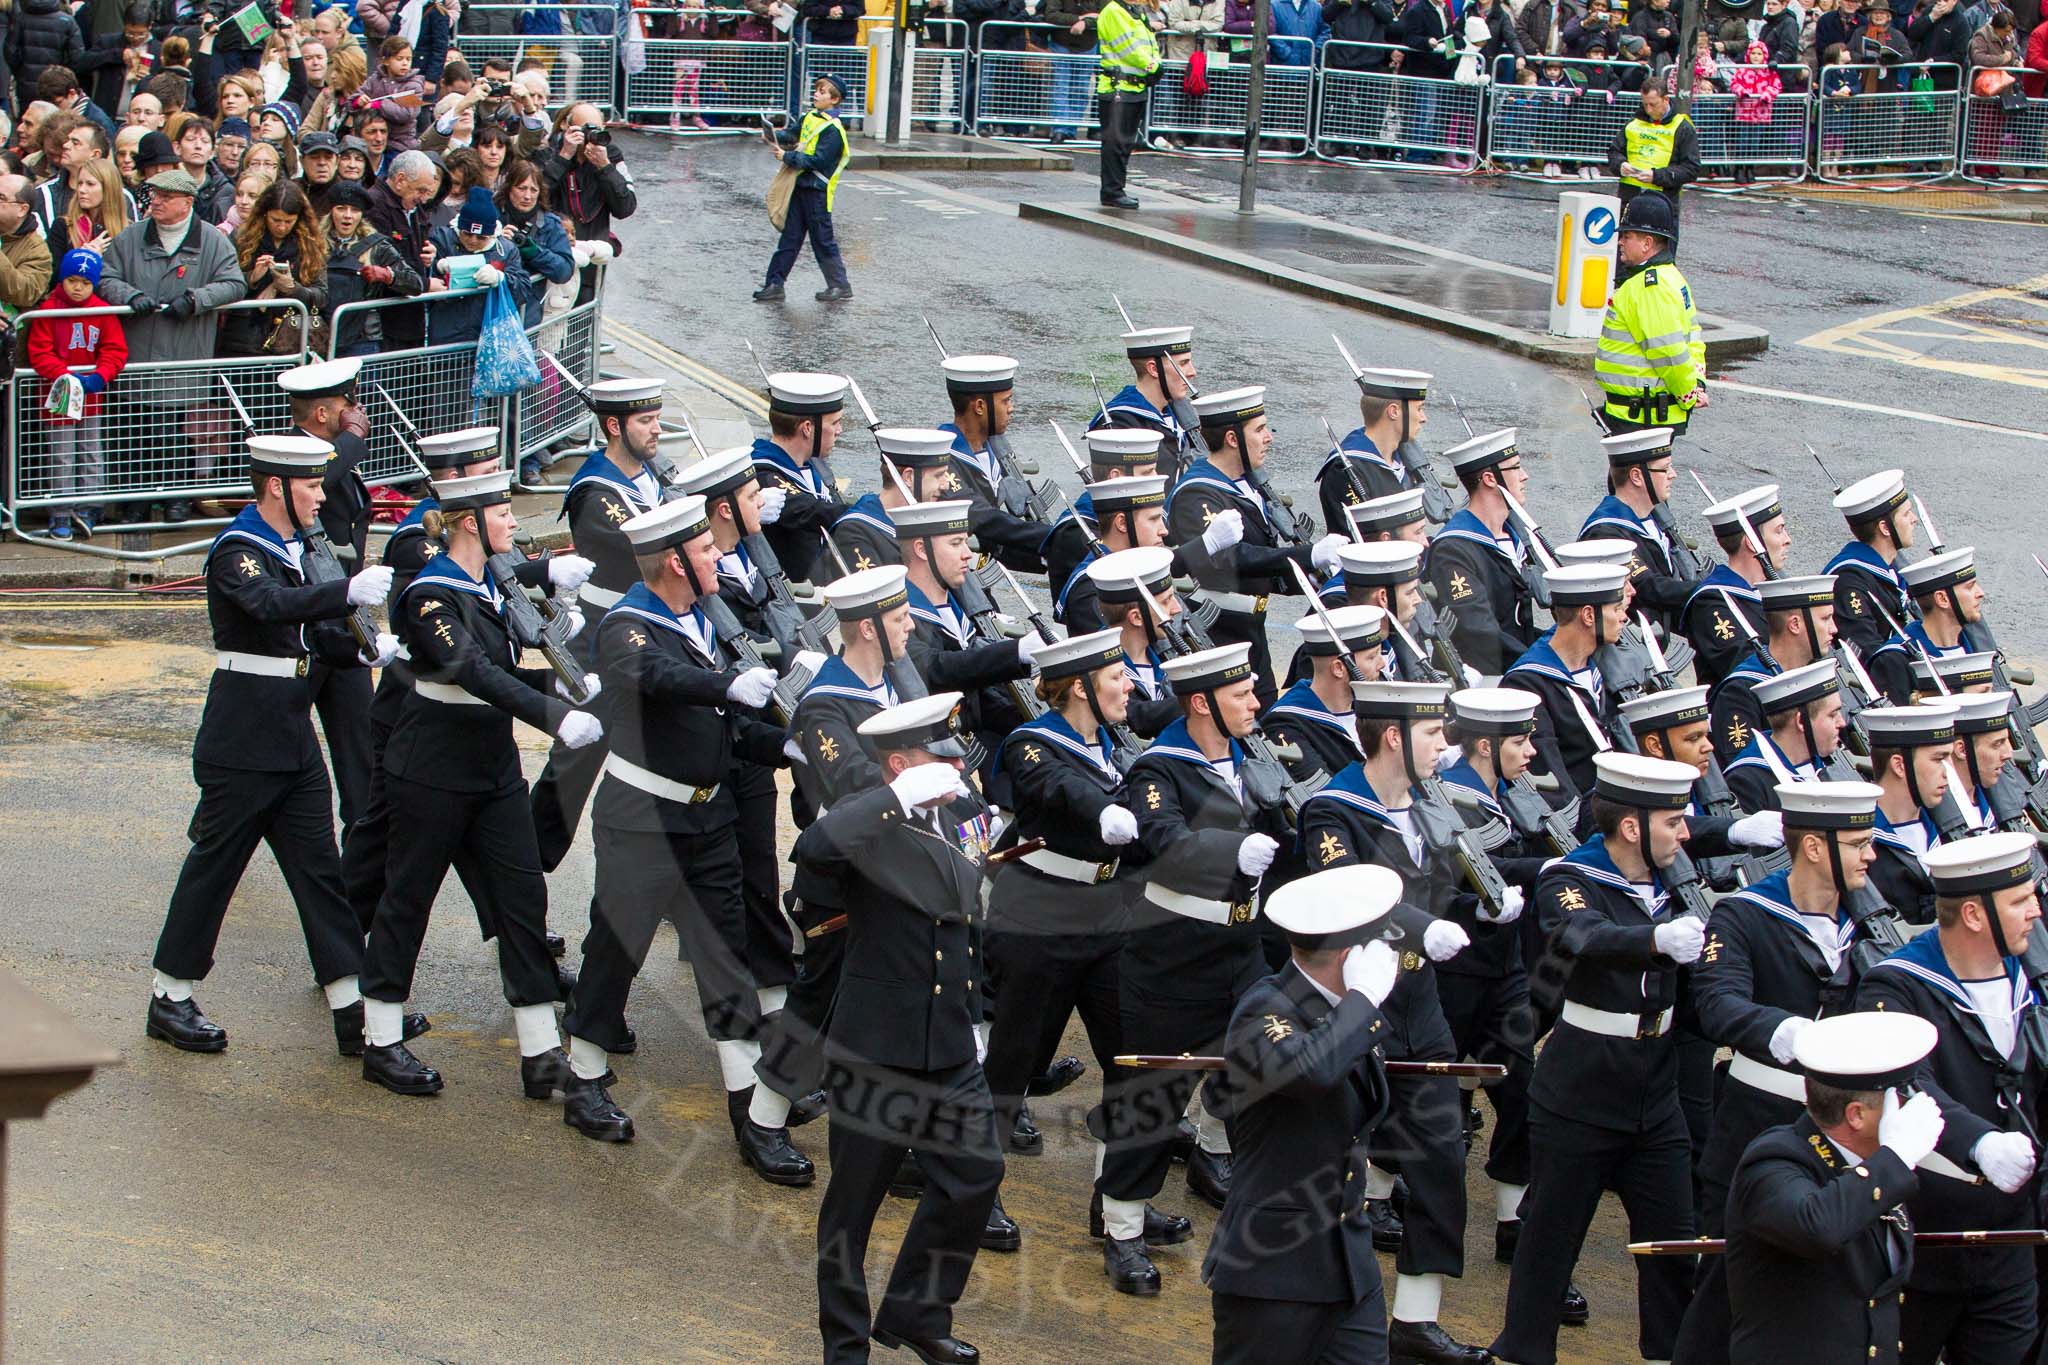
{"x": 79, "y": 357}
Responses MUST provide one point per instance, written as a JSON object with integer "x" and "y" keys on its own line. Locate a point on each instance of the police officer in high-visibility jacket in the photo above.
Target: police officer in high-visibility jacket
{"x": 1127, "y": 63}
{"x": 1650, "y": 359}
{"x": 1658, "y": 149}
{"x": 819, "y": 151}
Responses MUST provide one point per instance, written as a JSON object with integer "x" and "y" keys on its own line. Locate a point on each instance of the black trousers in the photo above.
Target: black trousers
{"x": 369, "y": 837}
{"x": 342, "y": 697}
{"x": 293, "y": 812}
{"x": 947, "y": 1120}
{"x": 1281, "y": 1332}
{"x": 808, "y": 217}
{"x": 562, "y": 790}
{"x": 488, "y": 838}
{"x": 1573, "y": 1164}
{"x": 770, "y": 954}
{"x": 1044, "y": 978}
{"x": 1121, "y": 115}
{"x": 1743, "y": 1114}
{"x": 1423, "y": 1134}
{"x": 1491, "y": 1022}
{"x": 1141, "y": 1116}
{"x": 642, "y": 879}
{"x": 1994, "y": 1326}
{"x": 793, "y": 1038}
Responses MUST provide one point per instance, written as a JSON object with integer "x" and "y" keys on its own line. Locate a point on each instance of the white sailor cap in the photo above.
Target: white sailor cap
{"x": 1829, "y": 805}
{"x": 1585, "y": 585}
{"x": 1484, "y": 452}
{"x": 1649, "y": 783}
{"x": 979, "y": 373}
{"x": 672, "y": 523}
{"x": 1358, "y": 627}
{"x": 1390, "y": 513}
{"x": 1910, "y": 727}
{"x": 1229, "y": 406}
{"x": 1117, "y": 575}
{"x": 930, "y": 723}
{"x": 916, "y": 519}
{"x": 1412, "y": 385}
{"x": 1759, "y": 505}
{"x": 1147, "y": 342}
{"x": 1637, "y": 447}
{"x": 1930, "y": 575}
{"x": 915, "y": 447}
{"x": 1981, "y": 713}
{"x": 1122, "y": 447}
{"x": 719, "y": 472}
{"x": 1400, "y": 700}
{"x": 1982, "y": 862}
{"x": 1208, "y": 669}
{"x": 1864, "y": 1052}
{"x": 1125, "y": 494}
{"x": 289, "y": 457}
{"x": 1334, "y": 907}
{"x": 1872, "y": 499}
{"x": 452, "y": 448}
{"x": 322, "y": 378}
{"x": 1078, "y": 654}
{"x": 1801, "y": 590}
{"x": 479, "y": 490}
{"x": 1380, "y": 563}
{"x": 1797, "y": 686}
{"x": 1959, "y": 672}
{"x": 1493, "y": 711}
{"x": 1666, "y": 710}
{"x": 624, "y": 397}
{"x": 803, "y": 393}
{"x": 1610, "y": 550}
{"x": 867, "y": 593}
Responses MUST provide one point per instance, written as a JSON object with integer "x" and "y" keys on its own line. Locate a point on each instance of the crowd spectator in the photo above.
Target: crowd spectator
{"x": 586, "y": 182}
{"x": 1941, "y": 33}
{"x": 273, "y": 157}
{"x": 193, "y": 141}
{"x": 1596, "y": 24}
{"x": 24, "y": 254}
{"x": 1995, "y": 45}
{"x": 353, "y": 163}
{"x": 362, "y": 264}
{"x": 1879, "y": 44}
{"x": 230, "y": 144}
{"x": 398, "y": 92}
{"x": 1298, "y": 32}
{"x": 1542, "y": 25}
{"x": 59, "y": 86}
{"x": 1192, "y": 25}
{"x": 373, "y": 130}
{"x": 544, "y": 247}
{"x": 2035, "y": 78}
{"x": 1433, "y": 38}
{"x": 145, "y": 111}
{"x": 1072, "y": 36}
{"x": 346, "y": 72}
{"x": 1360, "y": 21}
{"x": 474, "y": 233}
{"x": 1780, "y": 34}
{"x": 283, "y": 255}
{"x": 278, "y": 122}
{"x": 319, "y": 158}
{"x": 91, "y": 212}
{"x": 42, "y": 33}
{"x": 1503, "y": 41}
{"x": 313, "y": 65}
{"x": 395, "y": 202}
{"x": 1839, "y": 25}
{"x": 1756, "y": 85}
{"x": 94, "y": 351}
{"x": 125, "y": 144}
{"x": 247, "y": 190}
{"x": 1657, "y": 24}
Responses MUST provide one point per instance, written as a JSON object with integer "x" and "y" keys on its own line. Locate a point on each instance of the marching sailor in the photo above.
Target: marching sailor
{"x": 1162, "y": 365}
{"x": 1130, "y": 513}
{"x": 1949, "y": 597}
{"x": 1723, "y": 616}
{"x": 805, "y": 413}
{"x": 1475, "y": 561}
{"x": 865, "y": 533}
{"x": 1113, "y": 453}
{"x": 1365, "y": 466}
{"x": 1639, "y": 479}
{"x": 1883, "y": 521}
{"x": 1799, "y": 617}
{"x": 1134, "y": 594}
{"x": 981, "y": 389}
{"x": 1910, "y": 752}
{"x": 1577, "y": 715}
{"x": 1802, "y": 710}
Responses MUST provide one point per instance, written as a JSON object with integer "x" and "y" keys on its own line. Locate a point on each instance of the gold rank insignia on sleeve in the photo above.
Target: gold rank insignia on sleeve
{"x": 430, "y": 549}
{"x": 1855, "y": 604}
{"x": 248, "y": 565}
{"x": 1032, "y": 754}
{"x": 614, "y": 513}
{"x": 443, "y": 634}
{"x": 430, "y": 606}
{"x": 1350, "y": 496}
{"x": 951, "y": 483}
{"x": 1571, "y": 898}
{"x": 1712, "y": 951}
{"x": 636, "y": 639}
{"x": 828, "y": 747}
{"x": 1724, "y": 629}
{"x": 1330, "y": 849}
{"x": 1460, "y": 588}
{"x": 1636, "y": 566}
{"x": 1738, "y": 733}
{"x": 1208, "y": 515}
{"x": 1277, "y": 1029}
{"x": 861, "y": 560}
{"x": 1151, "y": 797}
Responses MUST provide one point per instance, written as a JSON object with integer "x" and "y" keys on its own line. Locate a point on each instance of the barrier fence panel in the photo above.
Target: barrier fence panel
{"x": 1997, "y": 141}
{"x": 1220, "y": 114}
{"x": 850, "y": 65}
{"x": 1025, "y": 93}
{"x": 1533, "y": 126}
{"x": 938, "y": 90}
{"x": 550, "y": 411}
{"x": 581, "y": 67}
{"x": 1760, "y": 135}
{"x": 1367, "y": 112}
{"x": 689, "y": 78}
{"x": 1889, "y": 133}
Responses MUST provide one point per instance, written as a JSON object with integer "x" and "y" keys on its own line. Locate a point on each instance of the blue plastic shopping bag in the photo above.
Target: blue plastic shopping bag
{"x": 505, "y": 362}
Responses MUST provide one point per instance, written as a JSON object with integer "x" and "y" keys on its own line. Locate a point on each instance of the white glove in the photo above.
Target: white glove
{"x": 1370, "y": 969}
{"x": 1785, "y": 1037}
{"x": 488, "y": 275}
{"x": 752, "y": 688}
{"x": 1511, "y": 910}
{"x": 1765, "y": 829}
{"x": 387, "y": 650}
{"x": 579, "y": 728}
{"x": 1680, "y": 940}
{"x": 1324, "y": 555}
{"x": 927, "y": 784}
{"x": 1911, "y": 1129}
{"x": 1028, "y": 645}
{"x": 1256, "y": 854}
{"x": 772, "y": 501}
{"x": 592, "y": 685}
{"x": 1224, "y": 532}
{"x": 1118, "y": 826}
{"x": 567, "y": 573}
{"x": 2006, "y": 1159}
{"x": 601, "y": 250}
{"x": 1473, "y": 677}
{"x": 370, "y": 586}
{"x": 575, "y": 615}
{"x": 980, "y": 1048}
{"x": 1443, "y": 940}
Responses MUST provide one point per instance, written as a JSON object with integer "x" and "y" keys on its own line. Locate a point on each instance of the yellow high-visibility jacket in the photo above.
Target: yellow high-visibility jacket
{"x": 1651, "y": 355}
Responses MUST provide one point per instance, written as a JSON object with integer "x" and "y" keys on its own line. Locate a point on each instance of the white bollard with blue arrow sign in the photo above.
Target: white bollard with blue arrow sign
{"x": 1587, "y": 226}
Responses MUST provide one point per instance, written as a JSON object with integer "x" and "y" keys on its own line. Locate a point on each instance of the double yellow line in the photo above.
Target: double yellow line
{"x": 729, "y": 389}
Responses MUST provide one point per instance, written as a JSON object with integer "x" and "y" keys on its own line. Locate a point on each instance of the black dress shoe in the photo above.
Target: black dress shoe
{"x": 626, "y": 1046}
{"x": 348, "y": 1029}
{"x": 179, "y": 1023}
{"x": 1425, "y": 1343}
{"x": 768, "y": 293}
{"x": 1025, "y": 1139}
{"x": 931, "y": 1350}
{"x": 557, "y": 945}
{"x": 565, "y": 983}
{"x": 834, "y": 293}
{"x": 543, "y": 1075}
{"x": 1475, "y": 1122}
{"x": 398, "y": 1071}
{"x": 773, "y": 1157}
{"x": 1386, "y": 1225}
{"x": 1057, "y": 1077}
{"x": 1575, "y": 1310}
{"x": 1209, "y": 1177}
{"x": 1118, "y": 201}
{"x": 1001, "y": 1232}
{"x": 808, "y": 1109}
{"x": 587, "y": 1107}
{"x": 1129, "y": 1269}
{"x": 1161, "y": 1229}
{"x": 908, "y": 1182}
{"x": 1183, "y": 1144}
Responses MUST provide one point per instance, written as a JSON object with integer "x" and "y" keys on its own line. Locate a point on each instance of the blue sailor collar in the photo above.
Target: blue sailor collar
{"x": 1054, "y": 728}
{"x": 1752, "y": 666}
{"x": 1465, "y": 525}
{"x": 598, "y": 468}
{"x": 1612, "y": 511}
{"x": 1751, "y": 755}
{"x": 1204, "y": 473}
{"x": 768, "y": 453}
{"x": 1923, "y": 958}
{"x": 1916, "y": 630}
{"x": 869, "y": 511}
{"x": 983, "y": 460}
{"x": 1151, "y": 671}
{"x": 1863, "y": 557}
{"x": 1332, "y": 591}
{"x": 1729, "y": 583}
{"x": 922, "y": 608}
{"x": 444, "y": 574}
{"x": 249, "y": 526}
{"x": 836, "y": 679}
{"x": 1349, "y": 787}
{"x": 1130, "y": 398}
{"x": 1358, "y": 445}
{"x": 1463, "y": 774}
{"x": 1175, "y": 743}
{"x": 1540, "y": 658}
{"x": 1592, "y": 860}
{"x": 1773, "y": 896}
{"x": 1301, "y": 700}
{"x": 639, "y": 600}
{"x": 1080, "y": 572}
{"x": 417, "y": 517}
{"x": 1888, "y": 833}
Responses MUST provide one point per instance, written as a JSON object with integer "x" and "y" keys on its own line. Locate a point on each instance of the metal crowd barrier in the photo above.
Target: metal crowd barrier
{"x": 1219, "y": 115}
{"x": 1379, "y": 116}
{"x": 849, "y": 64}
{"x": 1996, "y": 142}
{"x": 1019, "y": 91}
{"x": 1533, "y": 126}
{"x": 1890, "y": 132}
{"x": 550, "y": 411}
{"x": 1766, "y": 137}
{"x": 715, "y": 77}
{"x": 938, "y": 74}
{"x": 581, "y": 67}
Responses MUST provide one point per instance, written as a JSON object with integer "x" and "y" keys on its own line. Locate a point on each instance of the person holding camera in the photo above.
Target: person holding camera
{"x": 818, "y": 149}
{"x": 1127, "y": 65}
{"x": 587, "y": 182}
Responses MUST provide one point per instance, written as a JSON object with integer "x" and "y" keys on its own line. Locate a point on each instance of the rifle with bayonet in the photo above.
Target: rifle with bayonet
{"x": 818, "y": 462}
{"x": 537, "y": 623}
{"x": 1201, "y": 610}
{"x": 1685, "y": 553}
{"x": 1015, "y": 492}
{"x": 1436, "y": 500}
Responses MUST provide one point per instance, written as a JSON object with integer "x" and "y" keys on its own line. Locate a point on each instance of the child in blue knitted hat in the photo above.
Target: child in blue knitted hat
{"x": 79, "y": 357}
